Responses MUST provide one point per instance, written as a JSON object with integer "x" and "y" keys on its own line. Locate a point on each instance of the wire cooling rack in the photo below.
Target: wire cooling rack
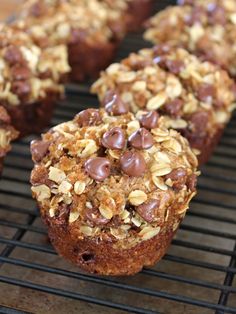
{"x": 196, "y": 276}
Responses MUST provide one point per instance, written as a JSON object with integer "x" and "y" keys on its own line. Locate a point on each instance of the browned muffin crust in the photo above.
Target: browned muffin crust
{"x": 30, "y": 79}
{"x": 111, "y": 191}
{"x": 90, "y": 30}
{"x": 205, "y": 27}
{"x": 7, "y": 135}
{"x": 194, "y": 97}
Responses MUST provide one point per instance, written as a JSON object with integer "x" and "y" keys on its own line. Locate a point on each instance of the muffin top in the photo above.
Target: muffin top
{"x": 207, "y": 28}
{"x": 7, "y": 132}
{"x": 27, "y": 72}
{"x": 186, "y": 92}
{"x": 109, "y": 176}
{"x": 53, "y": 22}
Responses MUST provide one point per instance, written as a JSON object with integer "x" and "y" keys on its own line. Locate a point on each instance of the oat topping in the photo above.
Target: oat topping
{"x": 27, "y": 72}
{"x": 109, "y": 182}
{"x": 205, "y": 27}
{"x": 63, "y": 21}
{"x": 7, "y": 132}
{"x": 195, "y": 97}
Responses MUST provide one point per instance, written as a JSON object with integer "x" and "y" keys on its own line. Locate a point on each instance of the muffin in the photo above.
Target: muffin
{"x": 7, "y": 134}
{"x": 90, "y": 30}
{"x": 29, "y": 79}
{"x": 112, "y": 192}
{"x": 136, "y": 11}
{"x": 205, "y": 27}
{"x": 196, "y": 98}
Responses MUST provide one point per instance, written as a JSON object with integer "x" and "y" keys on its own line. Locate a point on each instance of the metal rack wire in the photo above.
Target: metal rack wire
{"x": 196, "y": 276}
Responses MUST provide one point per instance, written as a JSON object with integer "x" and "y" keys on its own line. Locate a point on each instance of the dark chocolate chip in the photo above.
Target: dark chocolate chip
{"x": 199, "y": 122}
{"x": 20, "y": 73}
{"x": 185, "y": 2}
{"x": 13, "y": 55}
{"x": 114, "y": 104}
{"x": 141, "y": 139}
{"x": 133, "y": 164}
{"x": 98, "y": 168}
{"x": 149, "y": 120}
{"x": 148, "y": 209}
{"x": 175, "y": 66}
{"x": 178, "y": 177}
{"x": 174, "y": 107}
{"x": 89, "y": 117}
{"x": 205, "y": 92}
{"x": 37, "y": 9}
{"x": 114, "y": 139}
{"x": 95, "y": 218}
{"x": 192, "y": 182}
{"x": 39, "y": 149}
{"x": 21, "y": 89}
{"x": 217, "y": 14}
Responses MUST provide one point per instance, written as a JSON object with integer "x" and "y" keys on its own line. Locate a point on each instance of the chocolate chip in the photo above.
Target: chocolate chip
{"x": 217, "y": 14}
{"x": 175, "y": 66}
{"x": 20, "y": 73}
{"x": 37, "y": 9}
{"x": 141, "y": 139}
{"x": 161, "y": 49}
{"x": 89, "y": 117}
{"x": 133, "y": 164}
{"x": 39, "y": 149}
{"x": 98, "y": 168}
{"x": 185, "y": 2}
{"x": 147, "y": 210}
{"x": 88, "y": 258}
{"x": 114, "y": 139}
{"x": 174, "y": 107}
{"x": 199, "y": 122}
{"x": 95, "y": 218}
{"x": 149, "y": 120}
{"x": 205, "y": 92}
{"x": 192, "y": 182}
{"x": 178, "y": 177}
{"x": 21, "y": 89}
{"x": 13, "y": 55}
{"x": 114, "y": 104}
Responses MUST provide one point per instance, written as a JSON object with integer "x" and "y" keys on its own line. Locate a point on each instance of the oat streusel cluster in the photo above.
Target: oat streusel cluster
{"x": 204, "y": 27}
{"x": 194, "y": 97}
{"x": 7, "y": 133}
{"x": 60, "y": 22}
{"x": 28, "y": 73}
{"x": 106, "y": 175}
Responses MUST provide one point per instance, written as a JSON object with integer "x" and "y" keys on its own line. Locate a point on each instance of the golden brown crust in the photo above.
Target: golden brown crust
{"x": 111, "y": 185}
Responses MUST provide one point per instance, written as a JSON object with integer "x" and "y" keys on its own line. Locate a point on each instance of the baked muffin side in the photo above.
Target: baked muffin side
{"x": 112, "y": 192}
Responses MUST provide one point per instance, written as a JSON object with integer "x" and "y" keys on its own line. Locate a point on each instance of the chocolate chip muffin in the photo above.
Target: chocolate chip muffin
{"x": 7, "y": 134}
{"x": 90, "y": 30}
{"x": 205, "y": 27}
{"x": 111, "y": 189}
{"x": 29, "y": 79}
{"x": 134, "y": 12}
{"x": 194, "y": 97}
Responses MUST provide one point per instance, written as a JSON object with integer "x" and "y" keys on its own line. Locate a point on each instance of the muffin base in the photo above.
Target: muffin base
{"x": 33, "y": 118}
{"x": 139, "y": 11}
{"x": 88, "y": 59}
{"x": 206, "y": 145}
